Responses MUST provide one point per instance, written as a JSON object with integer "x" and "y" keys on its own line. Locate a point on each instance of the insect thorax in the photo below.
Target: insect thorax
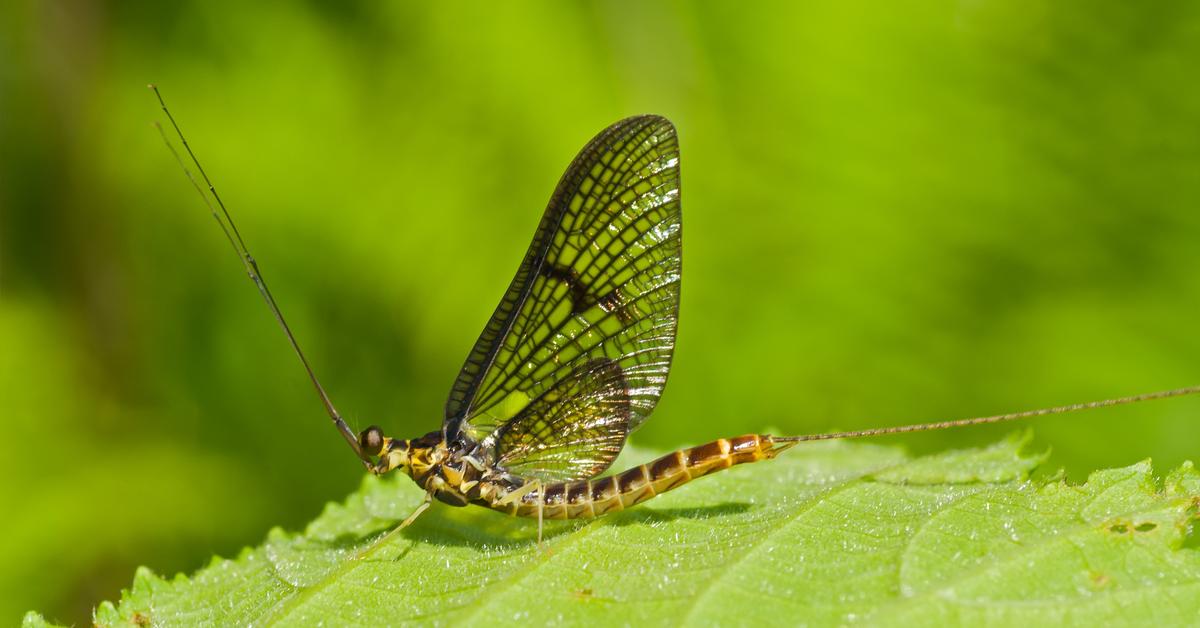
{"x": 451, "y": 473}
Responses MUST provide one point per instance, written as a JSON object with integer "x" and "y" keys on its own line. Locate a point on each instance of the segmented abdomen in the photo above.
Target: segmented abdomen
{"x": 592, "y": 498}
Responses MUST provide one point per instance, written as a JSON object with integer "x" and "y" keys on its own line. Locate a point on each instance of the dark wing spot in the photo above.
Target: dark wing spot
{"x": 580, "y": 300}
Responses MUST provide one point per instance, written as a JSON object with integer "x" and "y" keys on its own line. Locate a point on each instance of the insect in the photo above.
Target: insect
{"x": 576, "y": 354}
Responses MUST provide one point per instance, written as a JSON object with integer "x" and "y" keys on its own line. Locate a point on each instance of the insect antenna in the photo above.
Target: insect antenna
{"x": 998, "y": 418}
{"x": 239, "y": 246}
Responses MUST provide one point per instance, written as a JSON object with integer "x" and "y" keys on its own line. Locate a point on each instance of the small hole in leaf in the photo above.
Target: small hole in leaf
{"x": 1146, "y": 527}
{"x": 1100, "y": 580}
{"x": 1119, "y": 528}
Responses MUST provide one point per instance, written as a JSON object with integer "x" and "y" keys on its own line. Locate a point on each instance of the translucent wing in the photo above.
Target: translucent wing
{"x": 600, "y": 281}
{"x": 574, "y": 430}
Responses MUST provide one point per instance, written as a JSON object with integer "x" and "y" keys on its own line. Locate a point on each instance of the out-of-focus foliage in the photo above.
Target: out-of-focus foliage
{"x": 894, "y": 212}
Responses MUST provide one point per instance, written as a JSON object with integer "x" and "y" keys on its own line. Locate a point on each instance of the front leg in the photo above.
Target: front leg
{"x": 395, "y": 531}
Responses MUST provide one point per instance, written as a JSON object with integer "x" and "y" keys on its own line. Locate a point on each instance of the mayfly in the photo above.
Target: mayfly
{"x": 576, "y": 354}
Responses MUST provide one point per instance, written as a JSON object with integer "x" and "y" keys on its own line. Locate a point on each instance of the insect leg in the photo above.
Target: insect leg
{"x": 513, "y": 496}
{"x": 396, "y": 530}
{"x": 416, "y": 513}
{"x": 541, "y": 506}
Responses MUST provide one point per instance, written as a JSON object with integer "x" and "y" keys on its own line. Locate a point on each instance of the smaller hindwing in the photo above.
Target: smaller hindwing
{"x": 573, "y": 431}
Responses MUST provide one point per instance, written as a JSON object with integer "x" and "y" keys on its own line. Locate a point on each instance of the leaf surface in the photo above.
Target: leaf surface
{"x": 829, "y": 534}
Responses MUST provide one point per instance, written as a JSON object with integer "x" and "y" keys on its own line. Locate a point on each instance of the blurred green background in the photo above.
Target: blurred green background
{"x": 895, "y": 212}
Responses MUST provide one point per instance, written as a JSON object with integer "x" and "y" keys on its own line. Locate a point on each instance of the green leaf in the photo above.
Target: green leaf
{"x": 830, "y": 533}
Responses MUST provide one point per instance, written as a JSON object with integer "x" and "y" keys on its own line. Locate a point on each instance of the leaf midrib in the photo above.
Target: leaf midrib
{"x": 804, "y": 507}
{"x": 469, "y": 614}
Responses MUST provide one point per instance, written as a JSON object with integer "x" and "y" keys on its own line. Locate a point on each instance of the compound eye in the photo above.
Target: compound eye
{"x": 371, "y": 440}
